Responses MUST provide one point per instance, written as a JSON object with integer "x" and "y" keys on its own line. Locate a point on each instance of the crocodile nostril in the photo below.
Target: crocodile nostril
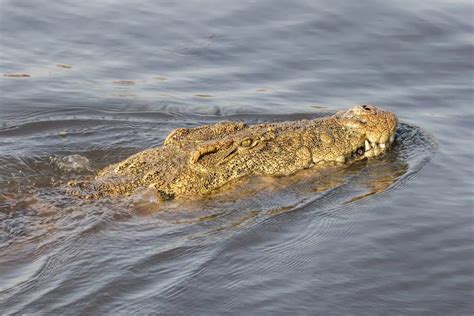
{"x": 366, "y": 107}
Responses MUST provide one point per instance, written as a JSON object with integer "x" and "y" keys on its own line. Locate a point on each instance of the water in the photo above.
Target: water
{"x": 106, "y": 79}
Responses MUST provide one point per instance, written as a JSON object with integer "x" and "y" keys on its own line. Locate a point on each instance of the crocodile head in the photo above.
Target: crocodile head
{"x": 375, "y": 126}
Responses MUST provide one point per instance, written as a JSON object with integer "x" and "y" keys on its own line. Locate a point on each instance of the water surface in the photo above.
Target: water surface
{"x": 107, "y": 79}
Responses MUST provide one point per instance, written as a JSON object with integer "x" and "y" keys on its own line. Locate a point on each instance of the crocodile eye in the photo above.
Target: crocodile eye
{"x": 246, "y": 142}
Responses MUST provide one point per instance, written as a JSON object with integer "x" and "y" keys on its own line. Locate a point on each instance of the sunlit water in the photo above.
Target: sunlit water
{"x": 84, "y": 85}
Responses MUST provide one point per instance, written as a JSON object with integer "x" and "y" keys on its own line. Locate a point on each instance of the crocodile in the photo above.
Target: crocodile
{"x": 196, "y": 161}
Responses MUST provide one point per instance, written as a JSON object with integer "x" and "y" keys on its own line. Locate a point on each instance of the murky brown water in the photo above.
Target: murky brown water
{"x": 88, "y": 84}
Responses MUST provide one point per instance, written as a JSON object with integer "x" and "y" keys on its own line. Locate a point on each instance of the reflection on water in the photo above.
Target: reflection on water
{"x": 86, "y": 84}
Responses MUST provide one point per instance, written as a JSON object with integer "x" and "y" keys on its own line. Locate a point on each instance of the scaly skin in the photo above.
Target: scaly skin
{"x": 195, "y": 161}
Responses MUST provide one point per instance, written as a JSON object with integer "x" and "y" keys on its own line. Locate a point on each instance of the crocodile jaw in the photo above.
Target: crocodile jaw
{"x": 372, "y": 149}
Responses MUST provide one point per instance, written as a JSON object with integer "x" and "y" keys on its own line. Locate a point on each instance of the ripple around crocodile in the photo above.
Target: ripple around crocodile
{"x": 50, "y": 214}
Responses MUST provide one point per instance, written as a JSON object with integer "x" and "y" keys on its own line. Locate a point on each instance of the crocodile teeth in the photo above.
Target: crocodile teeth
{"x": 392, "y": 138}
{"x": 374, "y": 149}
{"x": 367, "y": 145}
